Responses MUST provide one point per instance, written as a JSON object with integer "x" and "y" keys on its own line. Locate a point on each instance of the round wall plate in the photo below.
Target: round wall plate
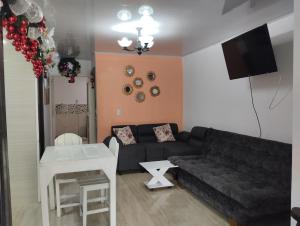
{"x": 155, "y": 91}
{"x": 151, "y": 76}
{"x": 140, "y": 97}
{"x": 138, "y": 82}
{"x": 129, "y": 71}
{"x": 127, "y": 89}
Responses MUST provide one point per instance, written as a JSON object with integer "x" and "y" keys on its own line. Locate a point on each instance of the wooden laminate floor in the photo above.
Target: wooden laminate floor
{"x": 136, "y": 206}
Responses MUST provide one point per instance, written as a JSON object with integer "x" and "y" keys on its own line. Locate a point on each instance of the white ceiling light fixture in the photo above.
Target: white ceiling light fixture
{"x": 124, "y": 15}
{"x": 147, "y": 40}
{"x": 146, "y": 10}
{"x": 144, "y": 43}
{"x": 145, "y": 27}
{"x": 125, "y": 42}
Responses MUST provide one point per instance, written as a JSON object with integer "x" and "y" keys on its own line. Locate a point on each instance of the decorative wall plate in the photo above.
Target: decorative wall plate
{"x": 140, "y": 97}
{"x": 129, "y": 70}
{"x": 151, "y": 76}
{"x": 127, "y": 89}
{"x": 155, "y": 91}
{"x": 138, "y": 82}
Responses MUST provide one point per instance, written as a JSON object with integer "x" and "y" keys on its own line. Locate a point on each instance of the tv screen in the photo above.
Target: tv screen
{"x": 250, "y": 54}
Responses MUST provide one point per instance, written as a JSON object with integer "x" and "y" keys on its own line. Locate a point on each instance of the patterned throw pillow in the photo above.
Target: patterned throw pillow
{"x": 164, "y": 133}
{"x": 125, "y": 135}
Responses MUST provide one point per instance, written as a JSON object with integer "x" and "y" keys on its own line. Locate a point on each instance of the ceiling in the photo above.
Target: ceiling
{"x": 185, "y": 25}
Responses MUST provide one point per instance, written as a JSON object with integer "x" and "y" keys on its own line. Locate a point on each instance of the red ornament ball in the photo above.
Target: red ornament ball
{"x": 4, "y": 22}
{"x": 16, "y": 37}
{"x": 11, "y": 28}
{"x": 23, "y": 30}
{"x": 9, "y": 36}
{"x": 24, "y": 23}
{"x": 12, "y": 19}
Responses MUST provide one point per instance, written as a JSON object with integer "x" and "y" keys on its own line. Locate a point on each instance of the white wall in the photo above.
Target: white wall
{"x": 296, "y": 112}
{"x": 68, "y": 93}
{"x": 21, "y": 103}
{"x": 212, "y": 100}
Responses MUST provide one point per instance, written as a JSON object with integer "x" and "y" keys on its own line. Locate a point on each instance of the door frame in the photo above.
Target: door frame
{"x": 5, "y": 202}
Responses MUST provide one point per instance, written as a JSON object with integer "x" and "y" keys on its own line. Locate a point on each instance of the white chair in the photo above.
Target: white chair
{"x": 68, "y": 139}
{"x": 97, "y": 183}
{"x": 66, "y": 200}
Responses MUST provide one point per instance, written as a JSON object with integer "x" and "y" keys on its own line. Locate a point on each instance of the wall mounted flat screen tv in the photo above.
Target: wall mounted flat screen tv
{"x": 250, "y": 54}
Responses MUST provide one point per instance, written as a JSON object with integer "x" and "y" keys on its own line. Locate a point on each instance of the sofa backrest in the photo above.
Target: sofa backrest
{"x": 240, "y": 151}
{"x": 197, "y": 136}
{"x": 145, "y": 132}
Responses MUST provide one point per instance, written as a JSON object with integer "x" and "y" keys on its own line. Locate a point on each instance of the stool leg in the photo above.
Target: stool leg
{"x": 102, "y": 194}
{"x": 84, "y": 207}
{"x": 57, "y": 193}
{"x": 80, "y": 199}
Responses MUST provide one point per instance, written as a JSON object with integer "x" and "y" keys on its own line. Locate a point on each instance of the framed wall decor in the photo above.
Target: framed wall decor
{"x": 140, "y": 97}
{"x": 138, "y": 82}
{"x": 151, "y": 76}
{"x": 129, "y": 70}
{"x": 155, "y": 91}
{"x": 127, "y": 89}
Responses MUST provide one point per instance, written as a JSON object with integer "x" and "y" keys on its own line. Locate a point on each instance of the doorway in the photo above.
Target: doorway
{"x": 71, "y": 107}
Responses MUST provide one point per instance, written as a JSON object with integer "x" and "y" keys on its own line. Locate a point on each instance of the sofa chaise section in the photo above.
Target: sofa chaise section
{"x": 245, "y": 178}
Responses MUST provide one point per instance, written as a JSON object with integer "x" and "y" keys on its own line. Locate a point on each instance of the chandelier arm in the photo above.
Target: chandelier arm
{"x": 129, "y": 50}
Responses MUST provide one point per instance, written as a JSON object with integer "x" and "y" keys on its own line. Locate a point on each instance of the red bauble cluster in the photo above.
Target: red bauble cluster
{"x": 28, "y": 47}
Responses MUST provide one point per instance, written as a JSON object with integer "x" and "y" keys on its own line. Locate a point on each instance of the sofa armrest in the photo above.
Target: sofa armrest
{"x": 183, "y": 136}
{"x": 107, "y": 139}
{"x": 296, "y": 214}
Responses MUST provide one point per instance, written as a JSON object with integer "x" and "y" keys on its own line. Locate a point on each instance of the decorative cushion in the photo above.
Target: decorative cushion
{"x": 125, "y": 135}
{"x": 164, "y": 133}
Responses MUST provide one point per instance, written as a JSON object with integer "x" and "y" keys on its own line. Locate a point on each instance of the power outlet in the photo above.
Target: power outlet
{"x": 119, "y": 112}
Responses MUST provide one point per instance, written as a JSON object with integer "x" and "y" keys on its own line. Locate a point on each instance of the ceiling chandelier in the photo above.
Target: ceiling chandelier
{"x": 142, "y": 28}
{"x": 143, "y": 43}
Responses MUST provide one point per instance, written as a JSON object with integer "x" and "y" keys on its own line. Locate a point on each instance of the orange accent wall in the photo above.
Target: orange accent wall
{"x": 110, "y": 78}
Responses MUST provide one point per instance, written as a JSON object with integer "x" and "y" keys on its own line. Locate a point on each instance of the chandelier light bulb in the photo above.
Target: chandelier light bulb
{"x": 146, "y": 10}
{"x": 150, "y": 44}
{"x": 125, "y": 42}
{"x": 124, "y": 15}
{"x": 146, "y": 39}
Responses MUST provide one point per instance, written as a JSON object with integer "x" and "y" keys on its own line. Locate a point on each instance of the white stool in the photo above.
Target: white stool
{"x": 99, "y": 183}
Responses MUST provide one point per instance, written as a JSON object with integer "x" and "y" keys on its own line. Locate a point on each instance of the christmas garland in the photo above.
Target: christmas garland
{"x": 35, "y": 51}
{"x": 70, "y": 68}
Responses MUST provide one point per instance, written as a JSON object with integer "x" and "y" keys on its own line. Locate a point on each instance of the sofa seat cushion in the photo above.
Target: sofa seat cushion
{"x": 248, "y": 190}
{"x": 179, "y": 148}
{"x": 130, "y": 156}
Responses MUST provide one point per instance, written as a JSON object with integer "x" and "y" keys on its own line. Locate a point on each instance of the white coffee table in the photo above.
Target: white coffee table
{"x": 157, "y": 169}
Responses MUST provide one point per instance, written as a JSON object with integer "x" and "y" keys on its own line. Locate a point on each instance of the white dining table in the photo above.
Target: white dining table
{"x": 76, "y": 158}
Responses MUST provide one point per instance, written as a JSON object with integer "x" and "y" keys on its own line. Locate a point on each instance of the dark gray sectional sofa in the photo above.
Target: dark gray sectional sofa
{"x": 247, "y": 179}
{"x": 148, "y": 149}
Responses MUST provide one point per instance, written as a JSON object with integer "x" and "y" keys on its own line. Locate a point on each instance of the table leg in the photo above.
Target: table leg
{"x": 113, "y": 203}
{"x": 158, "y": 179}
{"x": 51, "y": 195}
{"x": 44, "y": 203}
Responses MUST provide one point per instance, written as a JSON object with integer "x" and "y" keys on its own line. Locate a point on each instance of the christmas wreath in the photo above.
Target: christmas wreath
{"x": 70, "y": 68}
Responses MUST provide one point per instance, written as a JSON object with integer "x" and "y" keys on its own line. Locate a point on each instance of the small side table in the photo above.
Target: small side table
{"x": 157, "y": 169}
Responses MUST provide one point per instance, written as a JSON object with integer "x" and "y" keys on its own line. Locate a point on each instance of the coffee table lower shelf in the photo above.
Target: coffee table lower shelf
{"x": 157, "y": 185}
